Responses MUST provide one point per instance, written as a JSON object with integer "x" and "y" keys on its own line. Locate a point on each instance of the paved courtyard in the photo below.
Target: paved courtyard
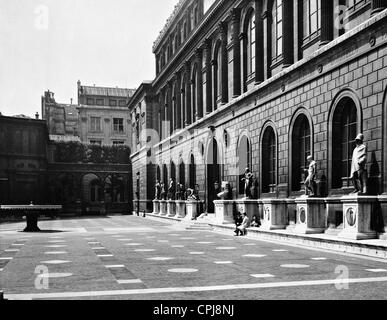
{"x": 126, "y": 257}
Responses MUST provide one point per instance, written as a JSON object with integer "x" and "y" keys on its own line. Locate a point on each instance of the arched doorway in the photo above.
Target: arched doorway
{"x": 244, "y": 152}
{"x": 182, "y": 173}
{"x": 92, "y": 189}
{"x": 192, "y": 172}
{"x": 301, "y": 149}
{"x": 213, "y": 173}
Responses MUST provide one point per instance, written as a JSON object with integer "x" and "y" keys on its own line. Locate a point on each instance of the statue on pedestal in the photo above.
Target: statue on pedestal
{"x": 171, "y": 190}
{"x": 163, "y": 194}
{"x": 248, "y": 179}
{"x": 158, "y": 190}
{"x": 310, "y": 182}
{"x": 359, "y": 170}
{"x": 217, "y": 190}
{"x": 254, "y": 189}
{"x": 226, "y": 194}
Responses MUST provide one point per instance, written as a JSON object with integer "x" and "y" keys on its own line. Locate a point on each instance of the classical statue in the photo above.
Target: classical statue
{"x": 310, "y": 182}
{"x": 248, "y": 179}
{"x": 182, "y": 192}
{"x": 163, "y": 194}
{"x": 226, "y": 194}
{"x": 254, "y": 189}
{"x": 217, "y": 190}
{"x": 359, "y": 170}
{"x": 171, "y": 190}
{"x": 158, "y": 190}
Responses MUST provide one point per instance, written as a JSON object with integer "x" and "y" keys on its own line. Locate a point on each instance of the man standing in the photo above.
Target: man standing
{"x": 358, "y": 170}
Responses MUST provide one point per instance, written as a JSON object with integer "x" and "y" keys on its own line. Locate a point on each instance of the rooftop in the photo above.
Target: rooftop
{"x": 108, "y": 92}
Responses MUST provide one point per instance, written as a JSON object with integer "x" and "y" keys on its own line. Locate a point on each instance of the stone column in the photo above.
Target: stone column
{"x": 287, "y": 26}
{"x": 199, "y": 83}
{"x": 223, "y": 35}
{"x": 207, "y": 48}
{"x": 378, "y": 5}
{"x": 259, "y": 44}
{"x": 326, "y": 22}
{"x": 236, "y": 45}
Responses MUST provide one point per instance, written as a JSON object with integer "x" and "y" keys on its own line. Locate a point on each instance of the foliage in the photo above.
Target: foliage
{"x": 75, "y": 152}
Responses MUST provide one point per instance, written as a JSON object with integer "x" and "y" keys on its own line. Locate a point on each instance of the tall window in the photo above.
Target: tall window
{"x": 344, "y": 134}
{"x": 217, "y": 75}
{"x": 312, "y": 17}
{"x": 194, "y": 92}
{"x": 269, "y": 161}
{"x": 301, "y": 149}
{"x": 251, "y": 45}
{"x": 113, "y": 103}
{"x": 95, "y": 124}
{"x": 90, "y": 101}
{"x": 118, "y": 124}
{"x": 99, "y": 102}
{"x": 277, "y": 28}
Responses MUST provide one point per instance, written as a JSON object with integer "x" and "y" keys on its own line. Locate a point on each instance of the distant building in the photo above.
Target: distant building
{"x": 103, "y": 115}
{"x": 62, "y": 119}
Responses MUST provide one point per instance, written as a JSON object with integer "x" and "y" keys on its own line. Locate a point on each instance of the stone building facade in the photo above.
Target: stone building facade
{"x": 23, "y": 160}
{"x": 103, "y": 115}
{"x": 264, "y": 84}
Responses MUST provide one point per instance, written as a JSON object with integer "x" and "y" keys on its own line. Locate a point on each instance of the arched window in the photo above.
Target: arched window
{"x": 269, "y": 161}
{"x": 182, "y": 173}
{"x": 244, "y": 161}
{"x": 250, "y": 48}
{"x": 344, "y": 132}
{"x": 192, "y": 172}
{"x": 165, "y": 177}
{"x": 173, "y": 171}
{"x": 301, "y": 149}
{"x": 194, "y": 93}
{"x": 217, "y": 75}
{"x": 183, "y": 102}
{"x": 158, "y": 174}
{"x": 277, "y": 28}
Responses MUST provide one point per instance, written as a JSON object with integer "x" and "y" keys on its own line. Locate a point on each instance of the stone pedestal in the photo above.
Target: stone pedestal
{"x": 383, "y": 206}
{"x": 224, "y": 211}
{"x": 191, "y": 209}
{"x": 171, "y": 208}
{"x": 357, "y": 211}
{"x": 311, "y": 217}
{"x": 248, "y": 206}
{"x": 163, "y": 208}
{"x": 156, "y": 207}
{"x": 180, "y": 209}
{"x": 274, "y": 214}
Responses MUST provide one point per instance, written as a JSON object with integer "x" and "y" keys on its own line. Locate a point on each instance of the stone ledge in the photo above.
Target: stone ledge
{"x": 372, "y": 248}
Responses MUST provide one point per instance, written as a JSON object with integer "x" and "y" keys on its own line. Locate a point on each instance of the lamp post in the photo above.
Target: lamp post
{"x": 138, "y": 193}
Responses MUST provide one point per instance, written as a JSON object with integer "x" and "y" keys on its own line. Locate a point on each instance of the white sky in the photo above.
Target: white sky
{"x": 101, "y": 42}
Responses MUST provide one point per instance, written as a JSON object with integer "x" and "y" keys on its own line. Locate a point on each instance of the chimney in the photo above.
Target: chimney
{"x": 71, "y": 101}
{"x": 37, "y": 116}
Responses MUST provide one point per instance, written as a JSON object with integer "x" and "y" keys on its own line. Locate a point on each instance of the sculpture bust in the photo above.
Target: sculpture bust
{"x": 310, "y": 182}
{"x": 358, "y": 169}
